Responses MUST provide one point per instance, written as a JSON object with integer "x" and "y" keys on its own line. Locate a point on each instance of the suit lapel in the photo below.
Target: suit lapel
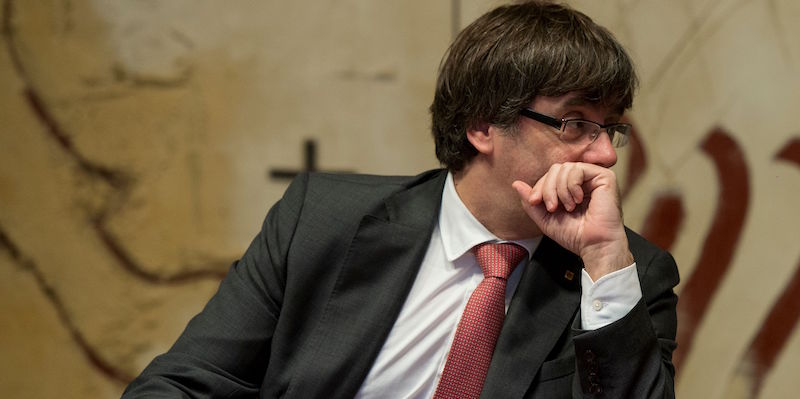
{"x": 375, "y": 278}
{"x": 544, "y": 304}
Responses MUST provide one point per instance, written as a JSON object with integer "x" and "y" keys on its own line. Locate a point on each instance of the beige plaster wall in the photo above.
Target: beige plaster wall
{"x": 137, "y": 141}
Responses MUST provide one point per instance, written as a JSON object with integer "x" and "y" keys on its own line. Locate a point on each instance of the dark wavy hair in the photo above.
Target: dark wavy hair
{"x": 498, "y": 64}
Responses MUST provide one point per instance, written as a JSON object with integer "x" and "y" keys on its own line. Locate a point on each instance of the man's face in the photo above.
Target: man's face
{"x": 528, "y": 154}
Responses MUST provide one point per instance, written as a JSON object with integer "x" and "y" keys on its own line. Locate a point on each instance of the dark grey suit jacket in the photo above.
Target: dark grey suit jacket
{"x": 306, "y": 310}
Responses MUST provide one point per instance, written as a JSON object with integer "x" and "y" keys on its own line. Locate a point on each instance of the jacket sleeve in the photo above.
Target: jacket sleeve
{"x": 224, "y": 350}
{"x": 632, "y": 357}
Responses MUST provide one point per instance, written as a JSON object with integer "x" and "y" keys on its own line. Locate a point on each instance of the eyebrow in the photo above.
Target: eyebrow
{"x": 579, "y": 100}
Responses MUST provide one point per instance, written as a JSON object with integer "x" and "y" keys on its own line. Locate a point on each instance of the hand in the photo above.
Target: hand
{"x": 578, "y": 206}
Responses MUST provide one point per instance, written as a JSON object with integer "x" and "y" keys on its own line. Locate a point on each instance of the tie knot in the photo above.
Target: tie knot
{"x": 498, "y": 260}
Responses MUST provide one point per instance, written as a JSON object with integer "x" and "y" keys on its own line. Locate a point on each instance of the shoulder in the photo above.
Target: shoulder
{"x": 338, "y": 186}
{"x": 353, "y": 180}
{"x": 340, "y": 195}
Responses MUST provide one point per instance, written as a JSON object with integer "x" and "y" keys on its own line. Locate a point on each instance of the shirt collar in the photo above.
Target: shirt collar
{"x": 461, "y": 231}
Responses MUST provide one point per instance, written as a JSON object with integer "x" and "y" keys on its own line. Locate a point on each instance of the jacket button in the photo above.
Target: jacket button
{"x": 588, "y": 355}
{"x": 595, "y": 389}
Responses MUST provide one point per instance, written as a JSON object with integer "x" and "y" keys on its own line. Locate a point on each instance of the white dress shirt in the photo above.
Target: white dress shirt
{"x": 412, "y": 358}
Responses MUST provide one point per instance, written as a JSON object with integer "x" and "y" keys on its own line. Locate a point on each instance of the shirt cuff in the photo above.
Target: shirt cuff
{"x": 609, "y": 298}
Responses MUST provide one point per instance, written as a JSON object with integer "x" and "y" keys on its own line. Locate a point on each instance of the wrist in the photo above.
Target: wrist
{"x": 604, "y": 259}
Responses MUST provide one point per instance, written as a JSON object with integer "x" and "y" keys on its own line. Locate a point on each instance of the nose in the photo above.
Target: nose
{"x": 601, "y": 151}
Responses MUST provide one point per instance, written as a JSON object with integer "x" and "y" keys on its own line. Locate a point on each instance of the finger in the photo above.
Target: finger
{"x": 595, "y": 176}
{"x": 575, "y": 182}
{"x": 600, "y": 182}
{"x": 569, "y": 178}
{"x": 549, "y": 188}
{"x": 536, "y": 192}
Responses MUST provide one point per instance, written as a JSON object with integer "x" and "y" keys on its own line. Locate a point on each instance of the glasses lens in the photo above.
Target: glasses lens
{"x": 578, "y": 130}
{"x": 619, "y": 134}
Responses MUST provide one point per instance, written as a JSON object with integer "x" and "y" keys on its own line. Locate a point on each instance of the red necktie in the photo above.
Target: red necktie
{"x": 476, "y": 335}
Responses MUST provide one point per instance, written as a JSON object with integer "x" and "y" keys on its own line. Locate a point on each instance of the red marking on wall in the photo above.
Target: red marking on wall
{"x": 783, "y": 317}
{"x": 773, "y": 335}
{"x": 637, "y": 163}
{"x": 664, "y": 221}
{"x": 721, "y": 240}
{"x": 790, "y": 152}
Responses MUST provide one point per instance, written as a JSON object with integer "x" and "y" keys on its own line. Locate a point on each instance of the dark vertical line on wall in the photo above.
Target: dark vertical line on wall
{"x": 721, "y": 241}
{"x": 310, "y": 164}
{"x": 310, "y": 152}
{"x": 8, "y": 10}
{"x": 455, "y": 18}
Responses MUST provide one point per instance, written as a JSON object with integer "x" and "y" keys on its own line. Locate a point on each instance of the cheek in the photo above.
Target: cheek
{"x": 564, "y": 154}
{"x": 529, "y": 159}
{"x": 540, "y": 163}
{"x": 531, "y": 167}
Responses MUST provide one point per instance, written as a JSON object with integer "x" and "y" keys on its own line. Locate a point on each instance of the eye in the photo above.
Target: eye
{"x": 577, "y": 128}
{"x": 581, "y": 125}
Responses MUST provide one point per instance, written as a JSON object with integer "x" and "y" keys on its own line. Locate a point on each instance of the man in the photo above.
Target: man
{"x": 356, "y": 285}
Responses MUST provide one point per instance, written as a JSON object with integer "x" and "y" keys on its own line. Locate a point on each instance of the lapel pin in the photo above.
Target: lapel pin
{"x": 569, "y": 275}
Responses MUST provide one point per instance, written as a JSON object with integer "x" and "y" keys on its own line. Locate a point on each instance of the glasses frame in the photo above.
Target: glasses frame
{"x": 561, "y": 124}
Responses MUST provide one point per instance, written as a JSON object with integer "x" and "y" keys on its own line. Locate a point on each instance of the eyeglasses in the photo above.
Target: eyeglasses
{"x": 582, "y": 131}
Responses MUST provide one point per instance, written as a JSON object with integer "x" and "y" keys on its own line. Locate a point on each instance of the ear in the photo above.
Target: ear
{"x": 481, "y": 137}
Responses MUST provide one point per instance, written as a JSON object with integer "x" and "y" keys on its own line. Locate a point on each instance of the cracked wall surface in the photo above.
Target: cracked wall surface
{"x": 137, "y": 141}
